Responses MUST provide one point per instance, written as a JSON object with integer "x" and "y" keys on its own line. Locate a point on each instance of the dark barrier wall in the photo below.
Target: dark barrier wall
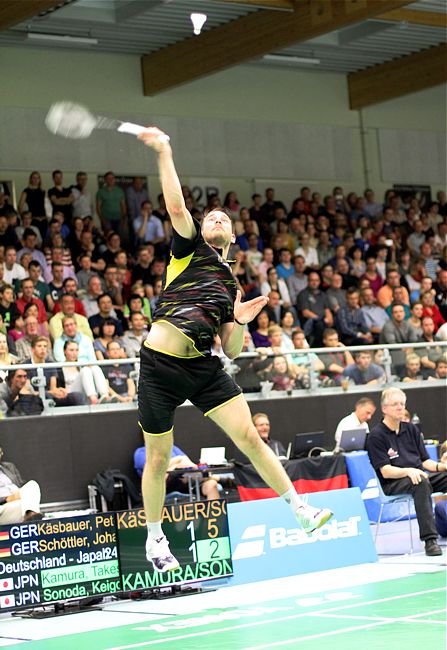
{"x": 64, "y": 453}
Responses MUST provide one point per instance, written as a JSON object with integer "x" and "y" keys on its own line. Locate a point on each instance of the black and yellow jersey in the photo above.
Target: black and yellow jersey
{"x": 198, "y": 291}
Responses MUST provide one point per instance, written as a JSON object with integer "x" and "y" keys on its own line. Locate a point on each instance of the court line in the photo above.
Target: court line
{"x": 277, "y": 620}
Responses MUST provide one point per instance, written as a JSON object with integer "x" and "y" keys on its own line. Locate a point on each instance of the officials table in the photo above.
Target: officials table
{"x": 193, "y": 476}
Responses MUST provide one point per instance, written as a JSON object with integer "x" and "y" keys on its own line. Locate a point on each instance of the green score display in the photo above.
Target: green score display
{"x": 58, "y": 559}
{"x": 198, "y": 537}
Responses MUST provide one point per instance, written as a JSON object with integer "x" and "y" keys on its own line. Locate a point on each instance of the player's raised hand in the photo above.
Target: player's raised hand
{"x": 155, "y": 138}
{"x": 244, "y": 312}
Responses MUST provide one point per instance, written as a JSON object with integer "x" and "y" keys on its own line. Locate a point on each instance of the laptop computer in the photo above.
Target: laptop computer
{"x": 353, "y": 440}
{"x": 212, "y": 456}
{"x": 304, "y": 442}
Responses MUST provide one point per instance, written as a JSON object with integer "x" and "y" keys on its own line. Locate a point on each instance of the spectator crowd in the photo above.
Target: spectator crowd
{"x": 82, "y": 284}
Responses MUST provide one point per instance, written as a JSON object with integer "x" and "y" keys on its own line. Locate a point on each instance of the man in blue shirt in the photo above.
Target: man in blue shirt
{"x": 363, "y": 371}
{"x": 147, "y": 227}
{"x": 351, "y": 323}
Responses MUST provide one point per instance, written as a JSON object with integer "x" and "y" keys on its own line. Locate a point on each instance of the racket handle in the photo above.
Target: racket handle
{"x": 136, "y": 129}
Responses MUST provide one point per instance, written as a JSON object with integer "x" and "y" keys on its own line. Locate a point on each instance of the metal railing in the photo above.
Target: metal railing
{"x": 233, "y": 369}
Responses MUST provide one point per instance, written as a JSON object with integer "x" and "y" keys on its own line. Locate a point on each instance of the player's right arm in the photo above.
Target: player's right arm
{"x": 175, "y": 204}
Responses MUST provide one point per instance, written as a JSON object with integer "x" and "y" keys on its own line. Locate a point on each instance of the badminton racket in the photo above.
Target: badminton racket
{"x": 75, "y": 121}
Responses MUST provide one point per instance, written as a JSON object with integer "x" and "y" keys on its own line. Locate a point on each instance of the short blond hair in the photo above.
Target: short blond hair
{"x": 391, "y": 391}
{"x": 256, "y": 416}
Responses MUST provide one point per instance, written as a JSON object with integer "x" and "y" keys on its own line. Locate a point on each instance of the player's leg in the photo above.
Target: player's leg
{"x": 209, "y": 489}
{"x": 235, "y": 419}
{"x": 153, "y": 488}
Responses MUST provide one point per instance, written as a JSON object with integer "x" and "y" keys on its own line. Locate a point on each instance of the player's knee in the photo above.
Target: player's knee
{"x": 249, "y": 441}
{"x": 424, "y": 487}
{"x": 157, "y": 459}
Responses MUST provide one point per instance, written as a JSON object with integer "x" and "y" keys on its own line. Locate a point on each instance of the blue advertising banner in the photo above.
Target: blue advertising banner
{"x": 267, "y": 542}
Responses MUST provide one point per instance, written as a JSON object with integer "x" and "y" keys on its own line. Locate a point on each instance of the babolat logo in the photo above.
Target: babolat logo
{"x": 254, "y": 538}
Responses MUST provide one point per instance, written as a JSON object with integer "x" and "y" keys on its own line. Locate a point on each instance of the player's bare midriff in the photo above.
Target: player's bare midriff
{"x": 165, "y": 337}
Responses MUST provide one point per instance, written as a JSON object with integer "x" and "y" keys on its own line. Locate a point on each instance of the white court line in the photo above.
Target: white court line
{"x": 277, "y": 620}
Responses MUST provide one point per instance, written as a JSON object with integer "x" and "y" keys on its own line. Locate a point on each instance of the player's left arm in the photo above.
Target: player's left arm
{"x": 232, "y": 334}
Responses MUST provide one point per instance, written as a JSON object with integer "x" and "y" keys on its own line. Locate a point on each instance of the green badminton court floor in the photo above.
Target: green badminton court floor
{"x": 405, "y": 612}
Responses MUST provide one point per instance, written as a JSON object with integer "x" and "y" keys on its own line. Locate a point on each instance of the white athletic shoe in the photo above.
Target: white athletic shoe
{"x": 158, "y": 552}
{"x": 311, "y": 518}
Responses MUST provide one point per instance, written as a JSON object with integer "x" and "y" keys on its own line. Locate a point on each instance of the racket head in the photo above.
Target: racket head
{"x": 70, "y": 120}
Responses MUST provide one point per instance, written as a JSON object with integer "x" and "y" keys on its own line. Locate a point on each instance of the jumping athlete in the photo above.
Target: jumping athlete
{"x": 199, "y": 300}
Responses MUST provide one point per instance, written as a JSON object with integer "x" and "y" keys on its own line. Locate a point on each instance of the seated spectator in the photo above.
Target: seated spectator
{"x": 31, "y": 330}
{"x": 142, "y": 268}
{"x": 138, "y": 303}
{"x": 90, "y": 300}
{"x": 15, "y": 331}
{"x": 17, "y": 397}
{"x": 41, "y": 289}
{"x": 244, "y": 275}
{"x": 105, "y": 306}
{"x": 262, "y": 424}
{"x": 399, "y": 298}
{"x": 297, "y": 280}
{"x": 415, "y": 319}
{"x": 325, "y": 251}
{"x": 112, "y": 286}
{"x": 428, "y": 355}
{"x": 254, "y": 257}
{"x": 279, "y": 343}
{"x": 88, "y": 380}
{"x": 68, "y": 308}
{"x": 12, "y": 271}
{"x": 59, "y": 255}
{"x": 385, "y": 293}
{"x": 282, "y": 374}
{"x": 440, "y": 288}
{"x": 313, "y": 309}
{"x": 19, "y": 501}
{"x": 274, "y": 283}
{"x": 358, "y": 266}
{"x": 307, "y": 362}
{"x": 8, "y": 309}
{"x": 429, "y": 308}
{"x": 39, "y": 356}
{"x": 147, "y": 227}
{"x": 412, "y": 371}
{"x": 135, "y": 335}
{"x": 375, "y": 316}
{"x": 70, "y": 332}
{"x": 121, "y": 386}
{"x": 259, "y": 333}
{"x": 27, "y": 297}
{"x": 371, "y": 274}
{"x": 6, "y": 358}
{"x": 29, "y": 239}
{"x": 334, "y": 362}
{"x": 265, "y": 264}
{"x": 288, "y": 323}
{"x": 70, "y": 288}
{"x": 363, "y": 371}
{"x": 56, "y": 286}
{"x": 85, "y": 272}
{"x": 274, "y": 308}
{"x": 351, "y": 322}
{"x": 32, "y": 310}
{"x": 348, "y": 279}
{"x": 440, "y": 369}
{"x": 358, "y": 419}
{"x": 335, "y": 294}
{"x": 106, "y": 334}
{"x": 397, "y": 330}
{"x": 308, "y": 252}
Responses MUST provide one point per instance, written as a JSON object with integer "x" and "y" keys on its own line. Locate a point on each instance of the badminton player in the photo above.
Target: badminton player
{"x": 198, "y": 300}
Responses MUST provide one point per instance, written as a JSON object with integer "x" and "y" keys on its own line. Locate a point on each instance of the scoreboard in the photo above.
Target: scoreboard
{"x": 55, "y": 560}
{"x": 198, "y": 537}
{"x": 58, "y": 559}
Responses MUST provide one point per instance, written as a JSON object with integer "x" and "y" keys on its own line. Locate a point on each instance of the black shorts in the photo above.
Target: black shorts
{"x": 166, "y": 382}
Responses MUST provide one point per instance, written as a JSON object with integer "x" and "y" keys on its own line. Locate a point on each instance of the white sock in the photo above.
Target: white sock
{"x": 154, "y": 530}
{"x": 292, "y": 498}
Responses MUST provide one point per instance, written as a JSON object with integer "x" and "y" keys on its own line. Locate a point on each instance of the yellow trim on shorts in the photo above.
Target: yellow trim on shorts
{"x": 223, "y": 404}
{"x": 171, "y": 354}
{"x": 163, "y": 433}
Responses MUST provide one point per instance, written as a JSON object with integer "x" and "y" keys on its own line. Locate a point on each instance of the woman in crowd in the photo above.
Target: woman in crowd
{"x": 308, "y": 252}
{"x": 358, "y": 266}
{"x": 288, "y": 323}
{"x": 429, "y": 308}
{"x": 274, "y": 283}
{"x": 282, "y": 374}
{"x": 33, "y": 196}
{"x": 260, "y": 332}
{"x": 374, "y": 278}
{"x": 107, "y": 333}
{"x": 88, "y": 380}
{"x": 415, "y": 319}
{"x": 32, "y": 310}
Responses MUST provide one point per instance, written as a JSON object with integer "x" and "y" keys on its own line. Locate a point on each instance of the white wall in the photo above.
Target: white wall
{"x": 111, "y": 84}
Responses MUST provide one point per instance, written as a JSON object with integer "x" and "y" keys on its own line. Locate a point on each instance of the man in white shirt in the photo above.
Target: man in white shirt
{"x": 358, "y": 419}
{"x": 12, "y": 270}
{"x": 82, "y": 205}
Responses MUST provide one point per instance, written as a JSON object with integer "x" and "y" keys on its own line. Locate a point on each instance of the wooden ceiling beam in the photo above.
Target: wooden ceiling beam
{"x": 397, "y": 78}
{"x": 250, "y": 37}
{"x": 427, "y": 18}
{"x": 13, "y": 12}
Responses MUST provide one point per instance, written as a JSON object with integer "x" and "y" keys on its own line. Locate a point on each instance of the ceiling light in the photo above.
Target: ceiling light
{"x": 62, "y": 38}
{"x": 283, "y": 58}
{"x": 198, "y": 20}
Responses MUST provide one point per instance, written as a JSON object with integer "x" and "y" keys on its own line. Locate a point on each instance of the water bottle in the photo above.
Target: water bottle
{"x": 417, "y": 423}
